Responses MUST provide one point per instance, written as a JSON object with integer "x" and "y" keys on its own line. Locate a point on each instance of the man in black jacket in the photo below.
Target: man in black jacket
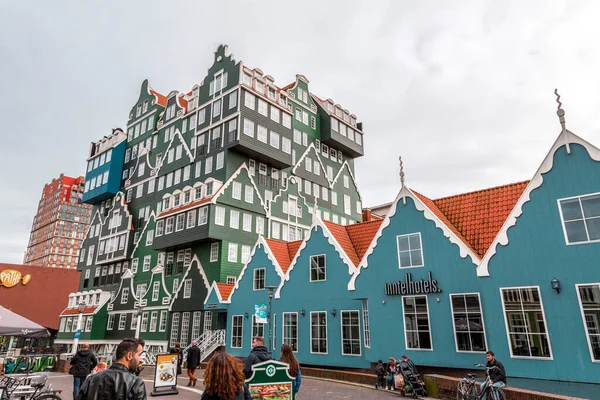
{"x": 82, "y": 363}
{"x": 258, "y": 354}
{"x": 497, "y": 375}
{"x": 119, "y": 381}
{"x": 193, "y": 361}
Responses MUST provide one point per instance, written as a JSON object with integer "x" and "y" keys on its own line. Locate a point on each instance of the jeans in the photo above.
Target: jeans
{"x": 77, "y": 383}
{"x": 497, "y": 384}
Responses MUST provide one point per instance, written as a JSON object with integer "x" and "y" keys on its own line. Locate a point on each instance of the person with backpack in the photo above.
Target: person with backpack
{"x": 258, "y": 354}
{"x": 82, "y": 363}
{"x": 380, "y": 371}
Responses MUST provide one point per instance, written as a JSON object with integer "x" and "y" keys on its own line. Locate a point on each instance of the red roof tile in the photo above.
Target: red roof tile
{"x": 479, "y": 215}
{"x": 362, "y": 235}
{"x": 341, "y": 235}
{"x": 284, "y": 252}
{"x": 185, "y": 207}
{"x": 160, "y": 99}
{"x": 438, "y": 213}
{"x": 44, "y": 297}
{"x": 225, "y": 290}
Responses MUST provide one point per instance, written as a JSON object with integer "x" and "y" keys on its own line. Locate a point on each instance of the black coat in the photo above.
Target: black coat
{"x": 115, "y": 383}
{"x": 241, "y": 395}
{"x": 193, "y": 357}
{"x": 82, "y": 363}
{"x": 497, "y": 374}
{"x": 257, "y": 355}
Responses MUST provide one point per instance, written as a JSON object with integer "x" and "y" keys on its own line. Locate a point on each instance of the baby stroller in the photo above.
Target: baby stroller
{"x": 412, "y": 381}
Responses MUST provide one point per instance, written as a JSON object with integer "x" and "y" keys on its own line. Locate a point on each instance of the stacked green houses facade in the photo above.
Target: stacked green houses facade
{"x": 201, "y": 175}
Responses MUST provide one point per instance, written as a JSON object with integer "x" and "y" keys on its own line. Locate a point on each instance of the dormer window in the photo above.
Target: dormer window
{"x": 271, "y": 93}
{"x": 209, "y": 189}
{"x": 198, "y": 195}
{"x": 346, "y": 117}
{"x": 247, "y": 79}
{"x": 187, "y": 196}
{"x": 260, "y": 87}
{"x": 166, "y": 203}
{"x": 330, "y": 107}
{"x": 338, "y": 112}
{"x": 353, "y": 121}
{"x": 177, "y": 200}
{"x": 191, "y": 104}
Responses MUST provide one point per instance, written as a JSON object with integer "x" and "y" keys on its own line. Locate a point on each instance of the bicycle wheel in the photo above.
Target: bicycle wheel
{"x": 461, "y": 390}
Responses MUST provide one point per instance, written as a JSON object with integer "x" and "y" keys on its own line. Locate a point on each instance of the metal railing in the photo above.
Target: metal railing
{"x": 208, "y": 342}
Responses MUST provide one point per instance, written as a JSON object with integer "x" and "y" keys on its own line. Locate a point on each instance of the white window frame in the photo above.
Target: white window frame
{"x": 220, "y": 216}
{"x": 255, "y": 279}
{"x": 233, "y": 331}
{"x": 366, "y": 323}
{"x": 214, "y": 248}
{"x": 286, "y": 339}
{"x": 584, "y": 219}
{"x": 428, "y": 322}
{"x": 236, "y": 190}
{"x": 187, "y": 288}
{"x": 111, "y": 322}
{"x": 311, "y": 333}
{"x": 249, "y": 194}
{"x": 122, "y": 322}
{"x": 125, "y": 295}
{"x": 310, "y": 268}
{"x": 585, "y": 325}
{"x": 230, "y": 248}
{"x": 527, "y": 333}
{"x": 342, "y": 333}
{"x": 398, "y": 251}
{"x": 162, "y": 324}
{"x": 467, "y": 318}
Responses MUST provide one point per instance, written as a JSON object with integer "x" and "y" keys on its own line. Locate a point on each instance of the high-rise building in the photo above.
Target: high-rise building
{"x": 59, "y": 224}
{"x": 201, "y": 175}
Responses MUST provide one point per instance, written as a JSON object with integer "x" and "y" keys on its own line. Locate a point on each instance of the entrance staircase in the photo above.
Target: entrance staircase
{"x": 208, "y": 342}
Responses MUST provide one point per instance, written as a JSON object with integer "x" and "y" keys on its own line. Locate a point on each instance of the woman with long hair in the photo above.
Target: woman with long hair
{"x": 287, "y": 356}
{"x": 224, "y": 379}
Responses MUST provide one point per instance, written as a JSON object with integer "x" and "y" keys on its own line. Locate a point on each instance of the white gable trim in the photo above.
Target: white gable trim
{"x": 465, "y": 251}
{"x": 303, "y": 156}
{"x": 152, "y": 216}
{"x": 185, "y": 147}
{"x": 336, "y": 245}
{"x": 345, "y": 164}
{"x": 565, "y": 138}
{"x": 202, "y": 274}
{"x": 230, "y": 181}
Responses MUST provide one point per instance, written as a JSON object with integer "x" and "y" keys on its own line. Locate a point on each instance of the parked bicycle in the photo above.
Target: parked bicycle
{"x": 467, "y": 388}
{"x": 27, "y": 387}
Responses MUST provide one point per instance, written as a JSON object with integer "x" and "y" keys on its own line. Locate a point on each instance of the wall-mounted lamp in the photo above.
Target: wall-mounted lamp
{"x": 302, "y": 312}
{"x": 333, "y": 311}
{"x": 555, "y": 285}
{"x": 246, "y": 315}
{"x": 383, "y": 302}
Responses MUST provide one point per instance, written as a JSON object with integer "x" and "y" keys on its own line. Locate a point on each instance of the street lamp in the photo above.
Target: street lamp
{"x": 138, "y": 312}
{"x": 80, "y": 308}
{"x": 270, "y": 288}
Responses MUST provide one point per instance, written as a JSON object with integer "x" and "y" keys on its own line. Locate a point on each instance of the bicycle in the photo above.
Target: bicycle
{"x": 467, "y": 389}
{"x": 28, "y": 387}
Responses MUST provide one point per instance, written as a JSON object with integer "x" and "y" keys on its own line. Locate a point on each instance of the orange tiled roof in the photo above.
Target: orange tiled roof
{"x": 225, "y": 290}
{"x": 184, "y": 207}
{"x": 87, "y": 310}
{"x": 438, "y": 213}
{"x": 362, "y": 235}
{"x": 479, "y": 215}
{"x": 160, "y": 99}
{"x": 341, "y": 235}
{"x": 284, "y": 252}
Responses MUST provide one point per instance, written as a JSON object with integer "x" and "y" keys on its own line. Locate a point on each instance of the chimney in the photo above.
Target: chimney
{"x": 366, "y": 215}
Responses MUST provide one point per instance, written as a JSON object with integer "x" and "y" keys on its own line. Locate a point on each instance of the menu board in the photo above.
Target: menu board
{"x": 271, "y": 391}
{"x": 271, "y": 380}
{"x": 166, "y": 370}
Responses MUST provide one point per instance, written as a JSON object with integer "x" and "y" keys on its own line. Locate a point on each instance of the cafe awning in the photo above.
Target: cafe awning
{"x": 12, "y": 324}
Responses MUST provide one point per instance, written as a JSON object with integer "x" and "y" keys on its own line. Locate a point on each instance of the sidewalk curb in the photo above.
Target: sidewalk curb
{"x": 351, "y": 384}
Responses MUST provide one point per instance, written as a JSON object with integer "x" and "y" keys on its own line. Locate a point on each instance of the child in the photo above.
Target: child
{"x": 380, "y": 371}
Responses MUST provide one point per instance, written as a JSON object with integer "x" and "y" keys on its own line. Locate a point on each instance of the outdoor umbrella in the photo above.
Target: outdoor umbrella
{"x": 12, "y": 324}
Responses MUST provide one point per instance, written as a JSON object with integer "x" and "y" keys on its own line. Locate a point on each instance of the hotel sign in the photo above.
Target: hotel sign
{"x": 423, "y": 286}
{"x": 11, "y": 277}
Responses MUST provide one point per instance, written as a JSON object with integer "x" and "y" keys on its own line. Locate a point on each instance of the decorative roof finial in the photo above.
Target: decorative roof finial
{"x": 401, "y": 171}
{"x": 560, "y": 112}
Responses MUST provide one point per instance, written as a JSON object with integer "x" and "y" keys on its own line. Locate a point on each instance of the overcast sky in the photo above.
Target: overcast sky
{"x": 463, "y": 91}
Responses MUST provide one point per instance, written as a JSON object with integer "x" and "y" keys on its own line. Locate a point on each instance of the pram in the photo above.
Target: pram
{"x": 412, "y": 381}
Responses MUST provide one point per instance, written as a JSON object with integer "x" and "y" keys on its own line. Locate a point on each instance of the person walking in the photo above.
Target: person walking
{"x": 82, "y": 363}
{"x": 193, "y": 361}
{"x": 118, "y": 381}
{"x": 224, "y": 379}
{"x": 287, "y": 356}
{"x": 177, "y": 350}
{"x": 258, "y": 354}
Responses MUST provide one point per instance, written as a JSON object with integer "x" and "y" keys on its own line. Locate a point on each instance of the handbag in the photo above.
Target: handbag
{"x": 399, "y": 381}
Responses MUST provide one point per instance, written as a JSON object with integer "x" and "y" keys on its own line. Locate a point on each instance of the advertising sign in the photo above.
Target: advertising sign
{"x": 10, "y": 277}
{"x": 271, "y": 380}
{"x": 260, "y": 312}
{"x": 165, "y": 375}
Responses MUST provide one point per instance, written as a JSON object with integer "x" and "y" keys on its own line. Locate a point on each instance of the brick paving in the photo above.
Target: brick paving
{"x": 311, "y": 389}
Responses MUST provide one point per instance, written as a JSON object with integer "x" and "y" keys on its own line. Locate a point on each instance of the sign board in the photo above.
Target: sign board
{"x": 260, "y": 312}
{"x": 11, "y": 277}
{"x": 165, "y": 375}
{"x": 211, "y": 306}
{"x": 77, "y": 334}
{"x": 271, "y": 380}
{"x": 409, "y": 286}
